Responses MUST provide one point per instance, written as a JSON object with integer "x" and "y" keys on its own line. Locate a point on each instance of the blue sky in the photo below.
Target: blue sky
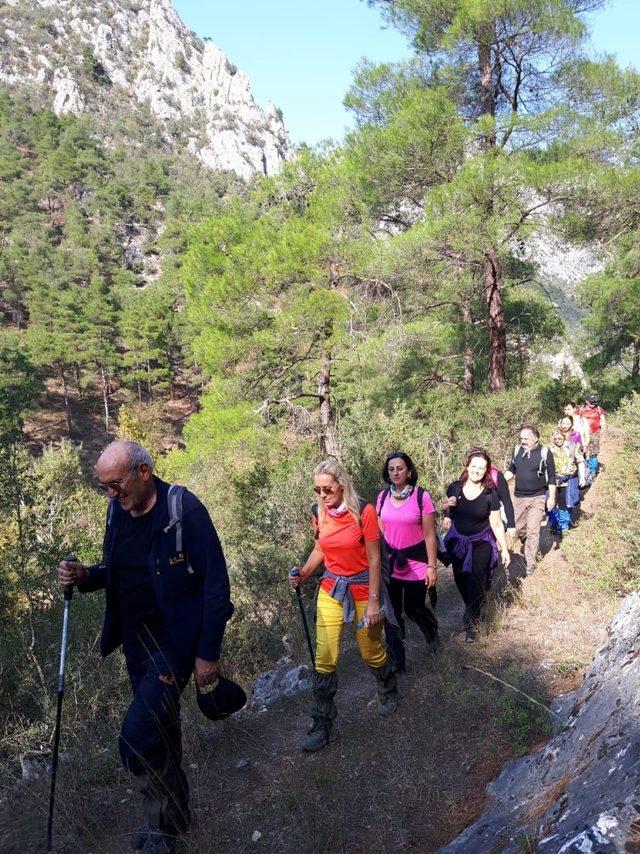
{"x": 300, "y": 54}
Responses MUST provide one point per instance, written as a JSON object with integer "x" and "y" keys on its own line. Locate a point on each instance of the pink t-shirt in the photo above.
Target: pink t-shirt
{"x": 403, "y": 528}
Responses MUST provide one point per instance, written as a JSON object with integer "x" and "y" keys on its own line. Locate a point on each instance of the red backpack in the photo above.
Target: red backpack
{"x": 593, "y": 416}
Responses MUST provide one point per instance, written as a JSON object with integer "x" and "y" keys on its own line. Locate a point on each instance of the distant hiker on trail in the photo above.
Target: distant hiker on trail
{"x": 474, "y": 532}
{"x": 407, "y": 521}
{"x": 534, "y": 471}
{"x": 167, "y": 603}
{"x": 595, "y": 416}
{"x": 569, "y": 432}
{"x": 348, "y": 543}
{"x": 580, "y": 424}
{"x": 570, "y": 476}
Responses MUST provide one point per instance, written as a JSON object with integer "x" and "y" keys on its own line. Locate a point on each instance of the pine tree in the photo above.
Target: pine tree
{"x": 503, "y": 65}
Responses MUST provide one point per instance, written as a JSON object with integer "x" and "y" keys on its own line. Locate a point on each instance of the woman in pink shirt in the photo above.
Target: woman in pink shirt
{"x": 406, "y": 516}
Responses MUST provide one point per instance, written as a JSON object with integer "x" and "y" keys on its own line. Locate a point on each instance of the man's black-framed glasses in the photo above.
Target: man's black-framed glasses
{"x": 115, "y": 485}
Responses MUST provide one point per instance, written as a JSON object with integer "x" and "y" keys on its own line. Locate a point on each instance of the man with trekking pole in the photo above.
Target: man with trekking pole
{"x": 167, "y": 604}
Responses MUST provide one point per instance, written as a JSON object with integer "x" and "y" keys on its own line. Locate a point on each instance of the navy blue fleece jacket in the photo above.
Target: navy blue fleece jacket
{"x": 191, "y": 586}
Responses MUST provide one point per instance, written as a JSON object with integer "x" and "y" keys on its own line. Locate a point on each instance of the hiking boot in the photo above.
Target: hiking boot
{"x": 433, "y": 645}
{"x": 387, "y": 688}
{"x": 165, "y": 809}
{"x": 323, "y": 711}
{"x": 139, "y": 837}
{"x": 159, "y": 843}
{"x": 317, "y": 738}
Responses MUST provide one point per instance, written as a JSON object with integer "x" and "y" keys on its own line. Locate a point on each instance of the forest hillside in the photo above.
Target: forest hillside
{"x": 172, "y": 272}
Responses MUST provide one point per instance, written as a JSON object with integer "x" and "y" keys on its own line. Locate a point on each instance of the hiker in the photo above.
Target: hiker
{"x": 534, "y": 471}
{"x": 565, "y": 425}
{"x": 502, "y": 487}
{"x": 348, "y": 544}
{"x": 570, "y": 477}
{"x": 474, "y": 532}
{"x": 167, "y": 603}
{"x": 406, "y": 516}
{"x": 580, "y": 424}
{"x": 595, "y": 416}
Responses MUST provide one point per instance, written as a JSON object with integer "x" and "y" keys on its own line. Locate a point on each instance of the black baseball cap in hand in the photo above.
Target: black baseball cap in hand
{"x": 220, "y": 700}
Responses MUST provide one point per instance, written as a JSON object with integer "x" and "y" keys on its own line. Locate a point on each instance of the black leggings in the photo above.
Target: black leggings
{"x": 473, "y": 586}
{"x": 410, "y": 597}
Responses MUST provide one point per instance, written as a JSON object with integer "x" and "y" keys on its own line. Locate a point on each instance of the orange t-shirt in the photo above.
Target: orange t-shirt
{"x": 341, "y": 541}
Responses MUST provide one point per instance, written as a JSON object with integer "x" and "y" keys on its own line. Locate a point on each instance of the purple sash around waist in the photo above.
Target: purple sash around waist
{"x": 460, "y": 545}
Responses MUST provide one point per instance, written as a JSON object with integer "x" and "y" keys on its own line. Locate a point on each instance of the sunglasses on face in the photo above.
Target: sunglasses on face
{"x": 114, "y": 485}
{"x": 324, "y": 490}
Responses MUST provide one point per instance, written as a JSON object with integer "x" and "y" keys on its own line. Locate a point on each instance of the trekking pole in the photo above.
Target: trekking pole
{"x": 68, "y": 595}
{"x": 294, "y": 573}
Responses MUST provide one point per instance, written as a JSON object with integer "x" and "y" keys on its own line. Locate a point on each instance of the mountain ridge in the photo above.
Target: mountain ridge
{"x": 76, "y": 57}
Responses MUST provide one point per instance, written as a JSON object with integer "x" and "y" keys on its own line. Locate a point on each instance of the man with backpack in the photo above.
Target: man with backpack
{"x": 167, "y": 603}
{"x": 534, "y": 471}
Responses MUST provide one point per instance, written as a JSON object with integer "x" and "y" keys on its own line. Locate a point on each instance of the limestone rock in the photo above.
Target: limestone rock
{"x": 67, "y": 97}
{"x": 282, "y": 681}
{"x": 580, "y": 793}
{"x": 148, "y": 58}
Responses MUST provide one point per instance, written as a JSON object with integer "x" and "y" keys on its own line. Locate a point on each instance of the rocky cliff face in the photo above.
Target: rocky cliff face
{"x": 124, "y": 54}
{"x": 581, "y": 792}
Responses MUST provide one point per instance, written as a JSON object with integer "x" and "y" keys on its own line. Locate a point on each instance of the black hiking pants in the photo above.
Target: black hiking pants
{"x": 150, "y": 737}
{"x": 473, "y": 586}
{"x": 409, "y": 598}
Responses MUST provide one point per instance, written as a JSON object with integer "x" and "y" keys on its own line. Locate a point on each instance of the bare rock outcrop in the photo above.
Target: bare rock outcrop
{"x": 580, "y": 793}
{"x": 117, "y": 55}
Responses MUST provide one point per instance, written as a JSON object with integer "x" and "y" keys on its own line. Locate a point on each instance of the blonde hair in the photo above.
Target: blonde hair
{"x": 338, "y": 472}
{"x": 558, "y": 432}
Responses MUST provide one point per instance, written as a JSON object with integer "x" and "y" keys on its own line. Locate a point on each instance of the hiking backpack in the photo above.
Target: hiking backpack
{"x": 544, "y": 453}
{"x": 175, "y": 495}
{"x": 593, "y": 417}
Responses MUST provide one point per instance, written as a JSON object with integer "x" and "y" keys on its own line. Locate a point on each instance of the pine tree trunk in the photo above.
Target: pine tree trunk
{"x": 635, "y": 367}
{"x": 495, "y": 314}
{"x": 491, "y": 269}
{"x": 105, "y": 398}
{"x": 328, "y": 439}
{"x": 65, "y": 392}
{"x": 487, "y": 97}
{"x": 468, "y": 378}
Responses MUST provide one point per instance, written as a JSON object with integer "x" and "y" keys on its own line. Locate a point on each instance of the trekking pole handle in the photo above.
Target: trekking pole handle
{"x": 68, "y": 588}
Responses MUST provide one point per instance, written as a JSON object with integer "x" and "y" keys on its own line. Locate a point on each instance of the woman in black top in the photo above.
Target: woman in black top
{"x": 474, "y": 529}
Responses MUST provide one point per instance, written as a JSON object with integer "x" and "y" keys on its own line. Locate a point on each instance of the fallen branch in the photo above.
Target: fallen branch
{"x": 513, "y": 688}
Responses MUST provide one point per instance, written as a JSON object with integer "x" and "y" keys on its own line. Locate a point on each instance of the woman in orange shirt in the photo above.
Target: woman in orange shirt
{"x": 348, "y": 544}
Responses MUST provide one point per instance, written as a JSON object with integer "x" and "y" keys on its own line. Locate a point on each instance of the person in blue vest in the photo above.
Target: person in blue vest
{"x": 167, "y": 604}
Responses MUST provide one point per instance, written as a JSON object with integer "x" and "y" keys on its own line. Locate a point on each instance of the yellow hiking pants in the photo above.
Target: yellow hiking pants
{"x": 329, "y": 626}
